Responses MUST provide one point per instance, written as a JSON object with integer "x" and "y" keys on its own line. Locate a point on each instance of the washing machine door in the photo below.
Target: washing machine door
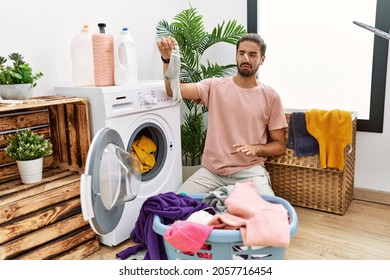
{"x": 112, "y": 177}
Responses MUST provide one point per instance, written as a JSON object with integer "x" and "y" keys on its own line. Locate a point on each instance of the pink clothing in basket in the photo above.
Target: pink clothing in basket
{"x": 187, "y": 236}
{"x": 261, "y": 223}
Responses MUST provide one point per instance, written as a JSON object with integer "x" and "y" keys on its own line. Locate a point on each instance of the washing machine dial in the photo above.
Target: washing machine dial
{"x": 148, "y": 99}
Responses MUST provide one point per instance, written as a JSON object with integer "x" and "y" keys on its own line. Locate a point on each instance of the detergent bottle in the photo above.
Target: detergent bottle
{"x": 125, "y": 59}
{"x": 82, "y": 58}
{"x": 103, "y": 57}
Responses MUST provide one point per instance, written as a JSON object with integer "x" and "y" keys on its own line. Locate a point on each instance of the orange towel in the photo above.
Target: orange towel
{"x": 333, "y": 131}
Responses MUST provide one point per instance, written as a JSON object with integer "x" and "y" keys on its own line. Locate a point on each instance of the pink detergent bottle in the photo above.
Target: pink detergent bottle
{"x": 103, "y": 57}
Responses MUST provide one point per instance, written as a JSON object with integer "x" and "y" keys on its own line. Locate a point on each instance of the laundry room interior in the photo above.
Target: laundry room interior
{"x": 117, "y": 144}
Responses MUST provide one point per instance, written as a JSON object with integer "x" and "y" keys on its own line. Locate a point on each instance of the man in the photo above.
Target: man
{"x": 246, "y": 121}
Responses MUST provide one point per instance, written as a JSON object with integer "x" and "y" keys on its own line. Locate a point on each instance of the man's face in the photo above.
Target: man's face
{"x": 248, "y": 58}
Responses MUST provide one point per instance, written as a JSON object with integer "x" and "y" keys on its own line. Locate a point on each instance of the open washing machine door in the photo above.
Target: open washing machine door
{"x": 112, "y": 177}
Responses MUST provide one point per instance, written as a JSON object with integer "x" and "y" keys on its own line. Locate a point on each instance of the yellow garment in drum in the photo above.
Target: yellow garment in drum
{"x": 143, "y": 148}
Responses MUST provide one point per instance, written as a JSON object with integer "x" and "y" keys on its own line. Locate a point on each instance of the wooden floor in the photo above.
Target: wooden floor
{"x": 363, "y": 233}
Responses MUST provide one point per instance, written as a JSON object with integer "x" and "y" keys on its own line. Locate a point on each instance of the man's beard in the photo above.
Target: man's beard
{"x": 247, "y": 72}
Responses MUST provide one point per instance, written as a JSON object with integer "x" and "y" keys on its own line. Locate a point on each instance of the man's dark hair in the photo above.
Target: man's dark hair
{"x": 253, "y": 37}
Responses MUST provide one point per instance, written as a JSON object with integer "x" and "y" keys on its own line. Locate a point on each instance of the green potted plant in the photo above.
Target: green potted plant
{"x": 193, "y": 40}
{"x": 17, "y": 79}
{"x": 28, "y": 149}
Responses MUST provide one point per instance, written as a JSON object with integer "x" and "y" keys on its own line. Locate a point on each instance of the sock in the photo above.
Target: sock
{"x": 173, "y": 74}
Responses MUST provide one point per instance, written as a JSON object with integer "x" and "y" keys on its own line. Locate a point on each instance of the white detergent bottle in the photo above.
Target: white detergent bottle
{"x": 82, "y": 58}
{"x": 125, "y": 58}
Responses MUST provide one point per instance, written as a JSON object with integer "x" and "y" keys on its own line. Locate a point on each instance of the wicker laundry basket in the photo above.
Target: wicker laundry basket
{"x": 225, "y": 244}
{"x": 302, "y": 181}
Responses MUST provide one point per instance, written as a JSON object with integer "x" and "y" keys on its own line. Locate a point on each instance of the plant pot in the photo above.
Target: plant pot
{"x": 187, "y": 171}
{"x": 16, "y": 91}
{"x": 30, "y": 170}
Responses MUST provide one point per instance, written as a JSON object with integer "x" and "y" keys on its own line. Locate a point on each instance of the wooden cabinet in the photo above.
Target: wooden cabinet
{"x": 44, "y": 220}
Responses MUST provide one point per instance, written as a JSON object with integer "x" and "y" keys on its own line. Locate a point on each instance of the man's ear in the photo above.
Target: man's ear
{"x": 262, "y": 59}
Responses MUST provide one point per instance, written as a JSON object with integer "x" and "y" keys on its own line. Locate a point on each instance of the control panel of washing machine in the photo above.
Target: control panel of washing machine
{"x": 151, "y": 97}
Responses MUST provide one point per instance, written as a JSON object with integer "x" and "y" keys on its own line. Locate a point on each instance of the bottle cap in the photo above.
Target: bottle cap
{"x": 85, "y": 28}
{"x": 102, "y": 27}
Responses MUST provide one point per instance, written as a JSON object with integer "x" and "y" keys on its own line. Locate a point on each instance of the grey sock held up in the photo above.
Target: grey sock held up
{"x": 173, "y": 74}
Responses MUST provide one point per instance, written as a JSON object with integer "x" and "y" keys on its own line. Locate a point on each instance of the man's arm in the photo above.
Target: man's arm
{"x": 276, "y": 146}
{"x": 165, "y": 47}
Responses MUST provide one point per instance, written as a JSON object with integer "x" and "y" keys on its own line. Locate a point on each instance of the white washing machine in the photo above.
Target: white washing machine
{"x": 118, "y": 116}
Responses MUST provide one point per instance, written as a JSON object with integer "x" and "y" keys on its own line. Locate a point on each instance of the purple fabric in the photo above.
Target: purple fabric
{"x": 123, "y": 255}
{"x": 170, "y": 207}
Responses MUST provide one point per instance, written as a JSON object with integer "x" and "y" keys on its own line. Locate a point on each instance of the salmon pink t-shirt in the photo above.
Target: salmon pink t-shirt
{"x": 237, "y": 115}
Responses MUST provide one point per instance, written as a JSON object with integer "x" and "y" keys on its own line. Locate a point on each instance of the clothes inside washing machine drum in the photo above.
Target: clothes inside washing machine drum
{"x": 144, "y": 149}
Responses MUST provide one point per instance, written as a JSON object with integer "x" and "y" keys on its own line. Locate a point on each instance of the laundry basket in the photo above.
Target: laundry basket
{"x": 223, "y": 244}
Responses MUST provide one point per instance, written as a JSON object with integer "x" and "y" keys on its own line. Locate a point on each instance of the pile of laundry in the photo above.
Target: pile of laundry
{"x": 238, "y": 207}
{"x": 144, "y": 148}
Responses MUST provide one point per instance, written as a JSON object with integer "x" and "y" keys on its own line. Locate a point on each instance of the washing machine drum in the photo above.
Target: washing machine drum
{"x": 112, "y": 177}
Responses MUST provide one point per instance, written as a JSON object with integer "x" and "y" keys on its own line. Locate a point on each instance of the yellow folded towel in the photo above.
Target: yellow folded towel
{"x": 333, "y": 131}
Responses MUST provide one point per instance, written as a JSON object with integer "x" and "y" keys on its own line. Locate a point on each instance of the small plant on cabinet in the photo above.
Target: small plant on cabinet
{"x": 20, "y": 72}
{"x": 27, "y": 145}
